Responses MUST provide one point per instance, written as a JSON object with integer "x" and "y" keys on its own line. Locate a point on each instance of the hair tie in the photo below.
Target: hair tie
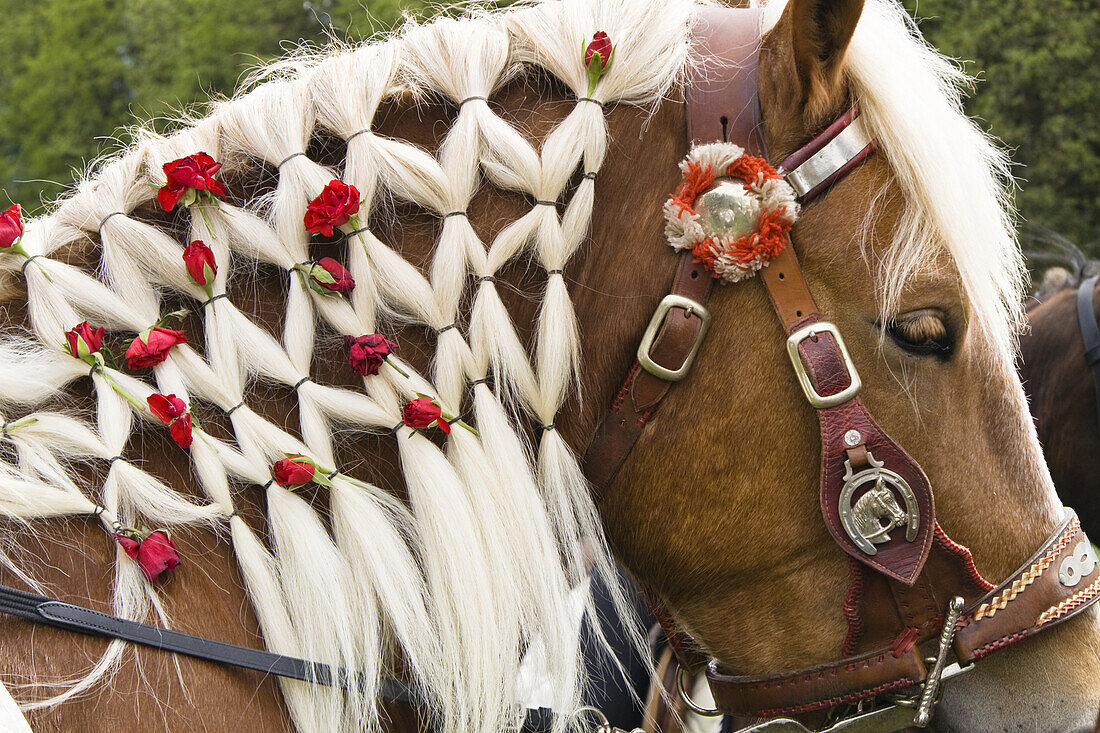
{"x": 234, "y": 408}
{"x": 23, "y": 267}
{"x": 334, "y": 474}
{"x": 556, "y": 271}
{"x": 98, "y": 511}
{"x": 268, "y": 484}
{"x": 356, "y": 134}
{"x": 360, "y": 230}
{"x": 483, "y": 380}
{"x": 112, "y": 459}
{"x": 487, "y": 279}
{"x": 548, "y": 427}
{"x": 284, "y": 160}
{"x": 540, "y": 202}
{"x": 232, "y": 514}
{"x": 4, "y": 430}
{"x": 95, "y": 368}
{"x": 596, "y": 102}
{"x": 397, "y": 427}
{"x": 472, "y": 99}
{"x": 449, "y": 214}
{"x": 210, "y": 300}
{"x": 448, "y": 327}
{"x": 301, "y": 381}
{"x": 590, "y": 175}
{"x": 103, "y": 221}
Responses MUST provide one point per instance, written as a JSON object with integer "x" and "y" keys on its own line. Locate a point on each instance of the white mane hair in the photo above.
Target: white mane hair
{"x": 479, "y": 566}
{"x": 956, "y": 180}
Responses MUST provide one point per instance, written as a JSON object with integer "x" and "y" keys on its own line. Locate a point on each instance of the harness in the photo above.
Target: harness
{"x": 930, "y": 580}
{"x": 1090, "y": 332}
{"x": 916, "y": 585}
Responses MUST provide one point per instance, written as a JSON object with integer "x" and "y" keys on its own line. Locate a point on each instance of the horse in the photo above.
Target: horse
{"x": 1061, "y": 386}
{"x": 511, "y": 242}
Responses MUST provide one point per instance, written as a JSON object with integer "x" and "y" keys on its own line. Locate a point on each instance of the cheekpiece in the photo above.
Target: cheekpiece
{"x": 732, "y": 210}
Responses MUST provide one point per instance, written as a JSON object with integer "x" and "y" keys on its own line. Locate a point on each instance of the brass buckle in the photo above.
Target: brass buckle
{"x": 668, "y": 303}
{"x": 818, "y": 401}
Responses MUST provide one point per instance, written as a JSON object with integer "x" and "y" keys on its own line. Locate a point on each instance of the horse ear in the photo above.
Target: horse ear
{"x": 820, "y": 32}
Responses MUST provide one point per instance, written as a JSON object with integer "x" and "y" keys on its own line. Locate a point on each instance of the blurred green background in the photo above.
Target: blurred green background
{"x": 75, "y": 71}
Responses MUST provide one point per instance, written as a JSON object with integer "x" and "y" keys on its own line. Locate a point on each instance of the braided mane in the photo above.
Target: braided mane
{"x": 478, "y": 565}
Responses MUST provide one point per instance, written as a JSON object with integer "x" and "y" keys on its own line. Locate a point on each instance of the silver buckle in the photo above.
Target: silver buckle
{"x": 818, "y": 401}
{"x": 668, "y": 303}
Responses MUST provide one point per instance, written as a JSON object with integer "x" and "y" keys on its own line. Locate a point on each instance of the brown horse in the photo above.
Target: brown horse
{"x": 716, "y": 511}
{"x": 1062, "y": 392}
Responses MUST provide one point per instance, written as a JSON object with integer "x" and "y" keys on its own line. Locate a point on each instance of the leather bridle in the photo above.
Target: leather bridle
{"x": 1090, "y": 332}
{"x": 930, "y": 581}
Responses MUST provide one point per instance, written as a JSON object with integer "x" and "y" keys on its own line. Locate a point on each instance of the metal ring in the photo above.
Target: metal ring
{"x": 692, "y": 705}
{"x": 603, "y": 725}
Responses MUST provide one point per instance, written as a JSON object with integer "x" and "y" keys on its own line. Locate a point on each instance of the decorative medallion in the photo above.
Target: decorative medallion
{"x": 1078, "y": 565}
{"x": 871, "y": 517}
{"x": 732, "y": 210}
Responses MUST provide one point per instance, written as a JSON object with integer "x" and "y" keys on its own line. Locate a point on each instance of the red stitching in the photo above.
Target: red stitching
{"x": 904, "y": 641}
{"x": 621, "y": 395}
{"x": 834, "y": 701}
{"x": 1000, "y": 643}
{"x": 963, "y": 553}
{"x": 851, "y": 607}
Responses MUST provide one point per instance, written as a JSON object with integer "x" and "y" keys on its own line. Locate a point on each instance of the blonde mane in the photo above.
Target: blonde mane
{"x": 479, "y": 567}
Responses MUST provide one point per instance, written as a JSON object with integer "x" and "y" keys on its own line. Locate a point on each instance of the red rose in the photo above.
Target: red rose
{"x": 194, "y": 172}
{"x": 154, "y": 348}
{"x": 423, "y": 413}
{"x": 334, "y": 207}
{"x": 173, "y": 411}
{"x": 329, "y": 276}
{"x": 200, "y": 263}
{"x": 599, "y": 47}
{"x": 155, "y": 554}
{"x": 367, "y": 353}
{"x": 11, "y": 226}
{"x": 181, "y": 431}
{"x": 84, "y": 340}
{"x": 293, "y": 471}
{"x": 166, "y": 407}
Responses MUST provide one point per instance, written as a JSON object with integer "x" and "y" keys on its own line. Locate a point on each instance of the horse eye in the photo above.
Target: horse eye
{"x": 922, "y": 333}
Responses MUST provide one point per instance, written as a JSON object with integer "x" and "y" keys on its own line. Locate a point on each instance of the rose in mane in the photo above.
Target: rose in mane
{"x": 199, "y": 260}
{"x": 293, "y": 471}
{"x": 83, "y": 341}
{"x": 152, "y": 347}
{"x": 190, "y": 178}
{"x": 597, "y": 57}
{"x": 172, "y": 411}
{"x": 423, "y": 413}
{"x": 366, "y": 354}
{"x": 154, "y": 551}
{"x": 327, "y": 276}
{"x": 336, "y": 205}
{"x": 11, "y": 228}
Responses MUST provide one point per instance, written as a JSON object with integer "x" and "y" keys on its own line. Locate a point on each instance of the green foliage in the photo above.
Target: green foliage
{"x": 78, "y": 70}
{"x": 1039, "y": 66}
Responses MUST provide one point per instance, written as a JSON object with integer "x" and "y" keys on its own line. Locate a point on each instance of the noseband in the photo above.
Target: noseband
{"x": 910, "y": 583}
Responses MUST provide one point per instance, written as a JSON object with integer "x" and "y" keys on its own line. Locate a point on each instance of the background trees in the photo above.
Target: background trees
{"x": 75, "y": 71}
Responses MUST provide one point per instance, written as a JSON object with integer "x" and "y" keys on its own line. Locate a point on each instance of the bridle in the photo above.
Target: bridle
{"x": 917, "y": 570}
{"x": 1090, "y": 332}
{"x": 930, "y": 580}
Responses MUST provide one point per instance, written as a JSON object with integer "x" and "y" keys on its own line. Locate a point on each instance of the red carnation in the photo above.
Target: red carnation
{"x": 293, "y": 471}
{"x": 423, "y": 413}
{"x": 333, "y": 207}
{"x": 200, "y": 263}
{"x": 173, "y": 411}
{"x": 156, "y": 553}
{"x": 186, "y": 178}
{"x": 328, "y": 276}
{"x": 597, "y": 57}
{"x": 152, "y": 348}
{"x": 84, "y": 340}
{"x": 11, "y": 227}
{"x": 367, "y": 353}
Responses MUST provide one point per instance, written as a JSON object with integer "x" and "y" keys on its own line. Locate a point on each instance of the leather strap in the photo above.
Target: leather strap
{"x": 717, "y": 100}
{"x": 1090, "y": 332}
{"x": 52, "y": 612}
{"x": 1048, "y": 589}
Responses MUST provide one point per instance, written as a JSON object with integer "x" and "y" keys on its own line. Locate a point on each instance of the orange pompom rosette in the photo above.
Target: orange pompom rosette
{"x": 732, "y": 210}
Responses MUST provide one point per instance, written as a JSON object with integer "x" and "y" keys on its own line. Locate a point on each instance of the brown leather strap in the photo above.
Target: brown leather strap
{"x": 817, "y": 688}
{"x": 1047, "y": 590}
{"x": 640, "y": 394}
{"x": 715, "y": 102}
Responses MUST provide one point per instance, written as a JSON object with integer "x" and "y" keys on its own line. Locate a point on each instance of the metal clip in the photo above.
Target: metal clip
{"x": 932, "y": 684}
{"x": 818, "y": 401}
{"x": 667, "y": 303}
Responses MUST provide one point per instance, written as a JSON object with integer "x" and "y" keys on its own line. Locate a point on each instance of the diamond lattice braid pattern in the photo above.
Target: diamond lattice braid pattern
{"x": 477, "y": 566}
